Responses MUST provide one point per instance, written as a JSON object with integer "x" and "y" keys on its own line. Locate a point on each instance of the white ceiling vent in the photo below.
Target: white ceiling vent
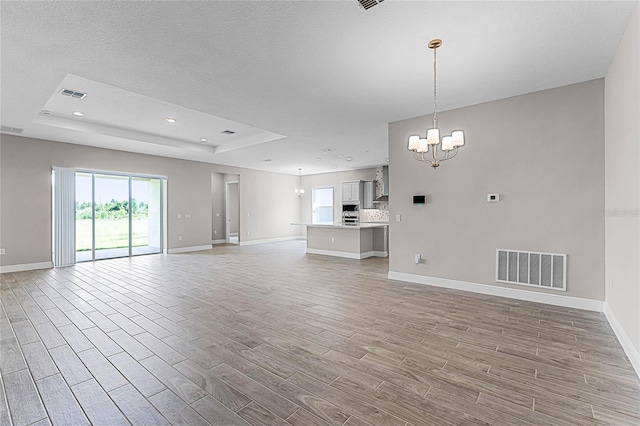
{"x": 73, "y": 94}
{"x": 9, "y": 129}
{"x": 368, "y": 4}
{"x": 228, "y": 132}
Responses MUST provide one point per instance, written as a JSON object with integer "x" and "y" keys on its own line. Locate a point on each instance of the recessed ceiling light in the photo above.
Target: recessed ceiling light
{"x": 78, "y": 113}
{"x": 348, "y": 158}
{"x": 203, "y": 139}
{"x": 171, "y": 119}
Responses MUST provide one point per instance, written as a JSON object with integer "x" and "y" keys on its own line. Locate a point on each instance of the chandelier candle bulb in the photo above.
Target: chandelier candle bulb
{"x": 414, "y": 142}
{"x": 447, "y": 143}
{"x": 424, "y": 146}
{"x": 458, "y": 138}
{"x": 433, "y": 136}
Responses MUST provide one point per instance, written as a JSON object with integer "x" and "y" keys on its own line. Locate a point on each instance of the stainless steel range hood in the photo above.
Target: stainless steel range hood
{"x": 382, "y": 184}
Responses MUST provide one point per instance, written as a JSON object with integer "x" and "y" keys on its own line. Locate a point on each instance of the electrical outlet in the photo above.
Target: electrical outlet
{"x": 333, "y": 240}
{"x": 416, "y": 258}
{"x": 179, "y": 237}
{"x": 215, "y": 232}
{"x": 247, "y": 232}
{"x": 2, "y": 252}
{"x": 217, "y": 214}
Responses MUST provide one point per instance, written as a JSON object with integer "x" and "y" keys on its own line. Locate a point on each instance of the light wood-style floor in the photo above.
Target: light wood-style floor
{"x": 266, "y": 335}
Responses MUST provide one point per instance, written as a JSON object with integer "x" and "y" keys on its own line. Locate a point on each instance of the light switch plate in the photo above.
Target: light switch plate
{"x": 398, "y": 218}
{"x": 187, "y": 215}
{"x": 179, "y": 215}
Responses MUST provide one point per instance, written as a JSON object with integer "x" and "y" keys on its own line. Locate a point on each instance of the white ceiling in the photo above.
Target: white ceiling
{"x": 294, "y": 78}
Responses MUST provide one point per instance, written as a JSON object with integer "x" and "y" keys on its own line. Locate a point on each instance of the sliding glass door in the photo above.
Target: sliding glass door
{"x": 111, "y": 224}
{"x": 146, "y": 215}
{"x": 117, "y": 215}
{"x": 84, "y": 217}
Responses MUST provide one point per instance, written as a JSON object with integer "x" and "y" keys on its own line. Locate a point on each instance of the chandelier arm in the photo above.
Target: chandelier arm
{"x": 419, "y": 156}
{"x": 455, "y": 152}
{"x": 438, "y": 158}
{"x": 449, "y": 157}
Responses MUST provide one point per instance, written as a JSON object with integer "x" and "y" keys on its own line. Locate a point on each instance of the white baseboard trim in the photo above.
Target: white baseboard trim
{"x": 346, "y": 254}
{"x": 334, "y": 253}
{"x": 25, "y": 267}
{"x": 512, "y": 293}
{"x": 188, "y": 249}
{"x": 271, "y": 240}
{"x": 222, "y": 241}
{"x": 623, "y": 337}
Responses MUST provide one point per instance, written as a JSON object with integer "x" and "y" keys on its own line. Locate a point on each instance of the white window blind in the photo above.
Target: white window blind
{"x": 64, "y": 213}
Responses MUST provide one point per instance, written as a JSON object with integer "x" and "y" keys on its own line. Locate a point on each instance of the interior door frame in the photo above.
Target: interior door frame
{"x": 227, "y": 208}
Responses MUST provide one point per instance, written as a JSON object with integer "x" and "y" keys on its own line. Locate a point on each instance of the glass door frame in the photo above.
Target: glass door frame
{"x": 130, "y": 177}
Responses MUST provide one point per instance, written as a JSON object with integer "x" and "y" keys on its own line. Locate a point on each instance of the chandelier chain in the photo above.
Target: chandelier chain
{"x": 435, "y": 103}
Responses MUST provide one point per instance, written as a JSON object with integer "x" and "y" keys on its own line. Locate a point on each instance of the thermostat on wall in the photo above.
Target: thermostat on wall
{"x": 419, "y": 199}
{"x": 493, "y": 198}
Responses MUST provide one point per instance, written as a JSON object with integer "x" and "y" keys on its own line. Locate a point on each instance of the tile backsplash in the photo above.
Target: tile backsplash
{"x": 374, "y": 215}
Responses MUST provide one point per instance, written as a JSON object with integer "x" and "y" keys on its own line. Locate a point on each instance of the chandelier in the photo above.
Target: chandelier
{"x": 300, "y": 191}
{"x": 450, "y": 144}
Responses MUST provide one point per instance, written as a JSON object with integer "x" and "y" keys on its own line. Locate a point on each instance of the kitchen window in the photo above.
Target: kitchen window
{"x": 322, "y": 206}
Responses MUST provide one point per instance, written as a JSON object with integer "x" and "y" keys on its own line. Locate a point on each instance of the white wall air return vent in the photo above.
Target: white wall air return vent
{"x": 9, "y": 129}
{"x": 548, "y": 270}
{"x": 368, "y": 4}
{"x": 73, "y": 94}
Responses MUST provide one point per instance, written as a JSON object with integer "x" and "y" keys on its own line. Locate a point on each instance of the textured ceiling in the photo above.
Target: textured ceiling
{"x": 324, "y": 74}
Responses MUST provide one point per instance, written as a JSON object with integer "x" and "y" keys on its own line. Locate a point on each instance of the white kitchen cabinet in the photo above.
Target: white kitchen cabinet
{"x": 352, "y": 192}
{"x": 369, "y": 195}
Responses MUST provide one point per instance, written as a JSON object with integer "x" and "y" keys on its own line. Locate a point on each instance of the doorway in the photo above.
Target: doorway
{"x": 232, "y": 212}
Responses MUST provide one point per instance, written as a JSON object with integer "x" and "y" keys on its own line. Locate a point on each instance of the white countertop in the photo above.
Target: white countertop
{"x": 362, "y": 225}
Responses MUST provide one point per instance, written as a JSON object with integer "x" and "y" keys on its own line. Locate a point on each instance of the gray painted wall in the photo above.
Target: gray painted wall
{"x": 267, "y": 201}
{"x": 622, "y": 188}
{"x": 543, "y": 152}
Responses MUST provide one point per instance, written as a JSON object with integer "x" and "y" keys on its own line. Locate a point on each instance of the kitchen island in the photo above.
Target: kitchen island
{"x": 350, "y": 241}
